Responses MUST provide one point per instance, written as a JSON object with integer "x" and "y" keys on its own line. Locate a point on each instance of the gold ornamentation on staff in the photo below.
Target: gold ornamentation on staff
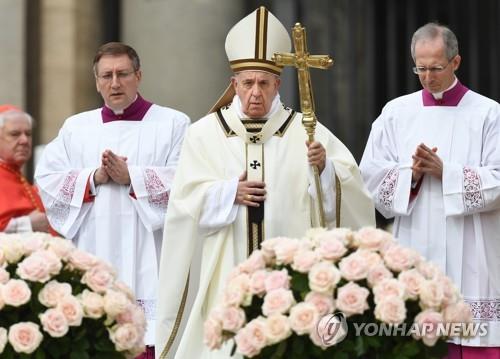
{"x": 302, "y": 60}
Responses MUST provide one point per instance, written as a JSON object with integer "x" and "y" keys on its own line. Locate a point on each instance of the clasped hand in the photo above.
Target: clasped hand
{"x": 426, "y": 161}
{"x": 113, "y": 167}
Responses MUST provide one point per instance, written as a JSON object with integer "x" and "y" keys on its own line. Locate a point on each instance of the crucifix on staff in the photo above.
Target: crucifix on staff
{"x": 302, "y": 60}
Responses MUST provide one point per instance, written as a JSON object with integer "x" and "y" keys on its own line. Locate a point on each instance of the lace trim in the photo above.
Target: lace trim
{"x": 387, "y": 188}
{"x": 473, "y": 196}
{"x": 61, "y": 206}
{"x": 149, "y": 308}
{"x": 157, "y": 193}
{"x": 485, "y": 309}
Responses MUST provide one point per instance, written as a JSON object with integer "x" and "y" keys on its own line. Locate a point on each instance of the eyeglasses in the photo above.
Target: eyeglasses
{"x": 120, "y": 75}
{"x": 420, "y": 70}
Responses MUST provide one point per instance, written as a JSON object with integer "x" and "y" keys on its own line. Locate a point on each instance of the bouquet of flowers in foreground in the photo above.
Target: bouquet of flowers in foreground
{"x": 59, "y": 302}
{"x": 291, "y": 300}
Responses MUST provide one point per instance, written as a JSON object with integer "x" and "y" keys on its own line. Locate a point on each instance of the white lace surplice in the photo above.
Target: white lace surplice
{"x": 454, "y": 222}
{"x": 118, "y": 228}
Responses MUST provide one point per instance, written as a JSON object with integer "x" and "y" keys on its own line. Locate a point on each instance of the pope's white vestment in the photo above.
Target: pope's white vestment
{"x": 453, "y": 222}
{"x": 202, "y": 211}
{"x": 123, "y": 224}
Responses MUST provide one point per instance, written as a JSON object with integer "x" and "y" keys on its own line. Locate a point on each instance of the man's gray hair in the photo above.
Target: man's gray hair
{"x": 432, "y": 30}
{"x": 5, "y": 115}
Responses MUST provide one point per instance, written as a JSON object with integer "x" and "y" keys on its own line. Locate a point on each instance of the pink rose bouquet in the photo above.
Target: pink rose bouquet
{"x": 59, "y": 302}
{"x": 337, "y": 294}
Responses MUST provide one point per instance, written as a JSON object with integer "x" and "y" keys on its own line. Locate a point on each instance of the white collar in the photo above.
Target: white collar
{"x": 274, "y": 107}
{"x": 439, "y": 95}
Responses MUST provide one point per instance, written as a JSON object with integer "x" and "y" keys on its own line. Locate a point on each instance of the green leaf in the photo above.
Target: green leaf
{"x": 280, "y": 350}
{"x": 360, "y": 346}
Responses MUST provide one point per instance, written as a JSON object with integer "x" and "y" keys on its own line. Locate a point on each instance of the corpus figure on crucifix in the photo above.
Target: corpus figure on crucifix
{"x": 244, "y": 175}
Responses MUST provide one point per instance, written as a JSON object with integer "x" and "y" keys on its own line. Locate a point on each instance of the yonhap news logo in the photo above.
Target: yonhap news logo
{"x": 332, "y": 329}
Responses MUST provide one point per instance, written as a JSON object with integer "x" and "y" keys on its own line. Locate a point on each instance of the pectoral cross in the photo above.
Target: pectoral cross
{"x": 302, "y": 60}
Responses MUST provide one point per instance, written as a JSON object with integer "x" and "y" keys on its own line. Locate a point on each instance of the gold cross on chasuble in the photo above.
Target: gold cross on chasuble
{"x": 302, "y": 60}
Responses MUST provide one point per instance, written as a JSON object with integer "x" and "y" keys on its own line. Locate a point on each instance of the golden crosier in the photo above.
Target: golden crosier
{"x": 303, "y": 61}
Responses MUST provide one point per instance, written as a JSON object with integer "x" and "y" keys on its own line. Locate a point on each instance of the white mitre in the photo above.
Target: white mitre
{"x": 250, "y": 45}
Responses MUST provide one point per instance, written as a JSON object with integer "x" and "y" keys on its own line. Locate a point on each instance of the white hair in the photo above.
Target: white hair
{"x": 9, "y": 114}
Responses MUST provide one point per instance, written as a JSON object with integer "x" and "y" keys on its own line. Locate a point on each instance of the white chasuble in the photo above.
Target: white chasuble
{"x": 123, "y": 224}
{"x": 214, "y": 155}
{"x": 453, "y": 222}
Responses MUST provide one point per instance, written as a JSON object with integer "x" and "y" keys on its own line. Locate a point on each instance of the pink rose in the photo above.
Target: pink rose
{"x": 390, "y": 287}
{"x": 4, "y": 275}
{"x": 285, "y": 250}
{"x": 459, "y": 312}
{"x": 82, "y": 260}
{"x": 33, "y": 241}
{"x": 303, "y": 318}
{"x": 25, "y": 337}
{"x": 352, "y": 299}
{"x": 429, "y": 270}
{"x": 245, "y": 345}
{"x": 115, "y": 303}
{"x": 120, "y": 286}
{"x": 12, "y": 248}
{"x": 399, "y": 258}
{"x": 34, "y": 268}
{"x": 277, "y": 328}
{"x": 377, "y": 274}
{"x": 431, "y": 294}
{"x": 61, "y": 247}
{"x": 277, "y": 301}
{"x": 354, "y": 267}
{"x": 391, "y": 310}
{"x": 237, "y": 291}
{"x": 212, "y": 334}
{"x": 124, "y": 336}
{"x": 15, "y": 292}
{"x": 267, "y": 249}
{"x": 323, "y": 277}
{"x": 371, "y": 238}
{"x": 253, "y": 263}
{"x": 72, "y": 310}
{"x": 257, "y": 331}
{"x": 304, "y": 260}
{"x": 331, "y": 248}
{"x": 372, "y": 258}
{"x": 257, "y": 282}
{"x": 93, "y": 304}
{"x": 428, "y": 322}
{"x": 53, "y": 292}
{"x": 277, "y": 279}
{"x": 450, "y": 292}
{"x": 323, "y": 302}
{"x": 98, "y": 278}
{"x": 133, "y": 314}
{"x": 412, "y": 280}
{"x": 3, "y": 339}
{"x": 54, "y": 322}
{"x": 344, "y": 235}
{"x": 233, "y": 319}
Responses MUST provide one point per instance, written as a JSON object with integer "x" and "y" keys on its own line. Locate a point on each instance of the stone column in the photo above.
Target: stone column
{"x": 70, "y": 33}
{"x": 12, "y": 50}
{"x": 181, "y": 45}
